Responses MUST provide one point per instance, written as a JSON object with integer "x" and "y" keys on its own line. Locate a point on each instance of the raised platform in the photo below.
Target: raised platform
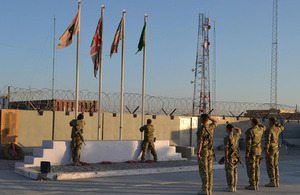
{"x": 59, "y": 152}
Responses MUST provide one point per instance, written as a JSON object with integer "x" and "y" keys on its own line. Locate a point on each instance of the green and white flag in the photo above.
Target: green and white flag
{"x": 142, "y": 40}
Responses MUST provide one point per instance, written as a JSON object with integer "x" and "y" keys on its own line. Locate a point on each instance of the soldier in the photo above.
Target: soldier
{"x": 148, "y": 141}
{"x": 272, "y": 151}
{"x": 253, "y": 152}
{"x": 77, "y": 138}
{"x": 232, "y": 157}
{"x": 205, "y": 152}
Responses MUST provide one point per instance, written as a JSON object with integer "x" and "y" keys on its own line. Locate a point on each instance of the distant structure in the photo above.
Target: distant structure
{"x": 202, "y": 94}
{"x": 273, "y": 92}
{"x": 214, "y": 69}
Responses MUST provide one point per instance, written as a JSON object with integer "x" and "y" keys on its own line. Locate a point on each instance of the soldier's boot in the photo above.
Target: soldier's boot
{"x": 76, "y": 164}
{"x": 271, "y": 184}
{"x": 234, "y": 188}
{"x": 229, "y": 189}
{"x": 142, "y": 160}
{"x": 206, "y": 192}
{"x": 250, "y": 187}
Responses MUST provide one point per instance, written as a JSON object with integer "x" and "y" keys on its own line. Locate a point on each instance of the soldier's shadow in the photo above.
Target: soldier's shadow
{"x": 138, "y": 151}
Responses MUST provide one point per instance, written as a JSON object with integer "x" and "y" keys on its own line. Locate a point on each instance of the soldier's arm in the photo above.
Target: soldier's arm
{"x": 226, "y": 145}
{"x": 143, "y": 128}
{"x": 267, "y": 141}
{"x": 79, "y": 133}
{"x": 213, "y": 120}
{"x": 199, "y": 146}
{"x": 280, "y": 127}
{"x": 248, "y": 143}
{"x": 262, "y": 126}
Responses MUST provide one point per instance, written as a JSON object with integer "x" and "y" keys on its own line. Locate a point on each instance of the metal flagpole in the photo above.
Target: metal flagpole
{"x": 100, "y": 76}
{"x": 53, "y": 103}
{"x": 77, "y": 62}
{"x": 122, "y": 74}
{"x": 144, "y": 70}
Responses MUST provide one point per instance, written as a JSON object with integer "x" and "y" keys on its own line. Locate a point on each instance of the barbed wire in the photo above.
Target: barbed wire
{"x": 154, "y": 105}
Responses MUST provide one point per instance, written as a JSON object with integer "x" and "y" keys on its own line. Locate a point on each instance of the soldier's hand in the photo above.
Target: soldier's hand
{"x": 199, "y": 156}
{"x": 247, "y": 155}
{"x": 227, "y": 160}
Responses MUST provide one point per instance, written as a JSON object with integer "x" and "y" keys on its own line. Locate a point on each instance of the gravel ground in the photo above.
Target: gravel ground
{"x": 116, "y": 166}
{"x": 293, "y": 154}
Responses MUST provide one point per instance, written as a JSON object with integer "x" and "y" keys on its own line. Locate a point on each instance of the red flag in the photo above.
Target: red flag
{"x": 95, "y": 46}
{"x": 118, "y": 37}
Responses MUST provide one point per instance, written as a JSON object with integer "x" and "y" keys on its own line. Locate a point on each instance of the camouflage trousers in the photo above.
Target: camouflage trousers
{"x": 272, "y": 165}
{"x": 231, "y": 172}
{"x": 205, "y": 169}
{"x": 148, "y": 145}
{"x": 76, "y": 144}
{"x": 253, "y": 170}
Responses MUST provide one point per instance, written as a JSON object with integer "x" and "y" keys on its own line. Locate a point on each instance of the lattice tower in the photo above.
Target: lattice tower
{"x": 201, "y": 97}
{"x": 273, "y": 94}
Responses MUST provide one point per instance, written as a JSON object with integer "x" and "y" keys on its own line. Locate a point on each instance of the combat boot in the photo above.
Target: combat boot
{"x": 250, "y": 187}
{"x": 229, "y": 189}
{"x": 271, "y": 185}
{"x": 234, "y": 188}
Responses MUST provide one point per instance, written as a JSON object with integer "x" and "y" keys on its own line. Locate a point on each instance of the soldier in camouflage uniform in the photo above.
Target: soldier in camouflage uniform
{"x": 232, "y": 157}
{"x": 148, "y": 141}
{"x": 77, "y": 138}
{"x": 205, "y": 152}
{"x": 272, "y": 151}
{"x": 253, "y": 153}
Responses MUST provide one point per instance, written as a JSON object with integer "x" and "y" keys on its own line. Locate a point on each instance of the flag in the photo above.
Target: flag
{"x": 95, "y": 46}
{"x": 142, "y": 40}
{"x": 67, "y": 38}
{"x": 118, "y": 37}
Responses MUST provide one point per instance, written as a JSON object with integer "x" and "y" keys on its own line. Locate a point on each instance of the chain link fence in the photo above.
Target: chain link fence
{"x": 155, "y": 105}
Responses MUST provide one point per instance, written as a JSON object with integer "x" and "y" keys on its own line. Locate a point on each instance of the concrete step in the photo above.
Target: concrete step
{"x": 33, "y": 160}
{"x": 38, "y": 152}
{"x": 23, "y": 164}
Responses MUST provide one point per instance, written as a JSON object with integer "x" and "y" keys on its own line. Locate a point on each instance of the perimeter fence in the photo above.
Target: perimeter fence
{"x": 155, "y": 105}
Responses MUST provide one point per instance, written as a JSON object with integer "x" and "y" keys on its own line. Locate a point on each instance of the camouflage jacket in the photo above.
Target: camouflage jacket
{"x": 271, "y": 137}
{"x": 148, "y": 132}
{"x": 253, "y": 139}
{"x": 231, "y": 143}
{"x": 205, "y": 135}
{"x": 77, "y": 128}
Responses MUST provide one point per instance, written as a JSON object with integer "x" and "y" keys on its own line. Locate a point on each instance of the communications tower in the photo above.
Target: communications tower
{"x": 273, "y": 92}
{"x": 201, "y": 97}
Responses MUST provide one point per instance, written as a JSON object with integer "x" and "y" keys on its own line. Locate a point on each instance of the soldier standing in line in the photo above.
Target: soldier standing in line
{"x": 148, "y": 141}
{"x": 77, "y": 138}
{"x": 253, "y": 153}
{"x": 232, "y": 156}
{"x": 205, "y": 152}
{"x": 272, "y": 151}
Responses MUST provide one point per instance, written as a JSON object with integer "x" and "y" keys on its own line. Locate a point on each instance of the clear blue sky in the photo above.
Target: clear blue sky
{"x": 243, "y": 46}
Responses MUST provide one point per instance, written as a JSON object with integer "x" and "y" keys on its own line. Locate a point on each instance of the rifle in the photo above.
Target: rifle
{"x": 211, "y": 143}
{"x": 236, "y": 152}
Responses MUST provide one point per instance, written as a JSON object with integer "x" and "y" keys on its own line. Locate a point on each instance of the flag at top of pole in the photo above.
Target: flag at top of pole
{"x": 118, "y": 37}
{"x": 67, "y": 38}
{"x": 95, "y": 46}
{"x": 142, "y": 39}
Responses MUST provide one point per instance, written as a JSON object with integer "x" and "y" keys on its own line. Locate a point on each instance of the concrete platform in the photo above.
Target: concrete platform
{"x": 32, "y": 173}
{"x": 59, "y": 152}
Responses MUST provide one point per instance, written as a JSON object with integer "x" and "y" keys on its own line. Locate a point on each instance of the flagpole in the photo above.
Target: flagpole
{"x": 100, "y": 76}
{"x": 77, "y": 63}
{"x": 53, "y": 103}
{"x": 144, "y": 73}
{"x": 122, "y": 74}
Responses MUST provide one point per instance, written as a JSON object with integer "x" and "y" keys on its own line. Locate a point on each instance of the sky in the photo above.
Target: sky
{"x": 243, "y": 31}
